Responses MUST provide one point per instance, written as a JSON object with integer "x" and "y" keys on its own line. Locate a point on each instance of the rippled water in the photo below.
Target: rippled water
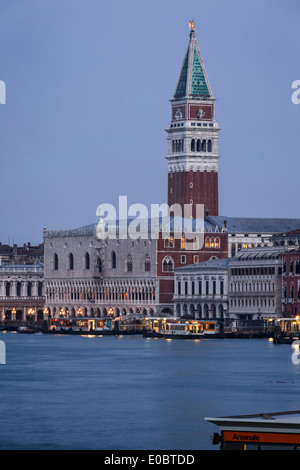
{"x": 74, "y": 392}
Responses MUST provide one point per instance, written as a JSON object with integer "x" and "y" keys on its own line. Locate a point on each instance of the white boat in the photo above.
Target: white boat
{"x": 176, "y": 329}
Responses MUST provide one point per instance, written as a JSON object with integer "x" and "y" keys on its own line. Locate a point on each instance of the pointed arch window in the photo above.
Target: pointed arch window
{"x": 113, "y": 260}
{"x": 193, "y": 145}
{"x": 198, "y": 145}
{"x": 204, "y": 145}
{"x": 147, "y": 263}
{"x": 168, "y": 264}
{"x": 129, "y": 264}
{"x": 71, "y": 261}
{"x": 209, "y": 145}
{"x": 55, "y": 262}
{"x": 87, "y": 261}
{"x": 99, "y": 265}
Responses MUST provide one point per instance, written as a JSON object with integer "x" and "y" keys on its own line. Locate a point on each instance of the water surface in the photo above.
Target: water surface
{"x": 75, "y": 392}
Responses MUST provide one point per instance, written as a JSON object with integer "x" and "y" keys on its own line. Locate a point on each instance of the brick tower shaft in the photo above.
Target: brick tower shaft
{"x": 193, "y": 137}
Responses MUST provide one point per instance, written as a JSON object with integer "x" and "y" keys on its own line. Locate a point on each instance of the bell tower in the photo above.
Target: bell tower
{"x": 193, "y": 137}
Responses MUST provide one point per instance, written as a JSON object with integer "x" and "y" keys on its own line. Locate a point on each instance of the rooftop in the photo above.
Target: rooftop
{"x": 212, "y": 224}
{"x": 214, "y": 264}
{"x": 255, "y": 224}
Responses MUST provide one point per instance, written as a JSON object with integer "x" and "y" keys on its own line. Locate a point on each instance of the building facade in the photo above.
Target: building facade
{"x": 291, "y": 282}
{"x": 88, "y": 276}
{"x": 255, "y": 283}
{"x": 91, "y": 277}
{"x": 254, "y": 232}
{"x": 27, "y": 254}
{"x": 201, "y": 290}
{"x": 22, "y": 295}
{"x": 246, "y": 287}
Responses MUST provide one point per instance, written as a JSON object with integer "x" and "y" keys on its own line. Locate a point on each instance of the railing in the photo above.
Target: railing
{"x": 99, "y": 301}
{"x": 21, "y": 269}
{"x": 196, "y": 297}
{"x": 21, "y": 297}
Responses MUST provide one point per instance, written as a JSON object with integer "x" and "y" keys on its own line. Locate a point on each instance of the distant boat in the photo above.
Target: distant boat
{"x": 82, "y": 326}
{"x": 177, "y": 330}
{"x": 26, "y": 329}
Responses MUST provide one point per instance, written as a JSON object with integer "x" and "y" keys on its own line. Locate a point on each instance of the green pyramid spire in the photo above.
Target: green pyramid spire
{"x": 181, "y": 86}
{"x": 198, "y": 84}
{"x": 193, "y": 80}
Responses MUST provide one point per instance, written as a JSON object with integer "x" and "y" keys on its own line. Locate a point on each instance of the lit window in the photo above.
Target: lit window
{"x": 183, "y": 243}
{"x": 169, "y": 242}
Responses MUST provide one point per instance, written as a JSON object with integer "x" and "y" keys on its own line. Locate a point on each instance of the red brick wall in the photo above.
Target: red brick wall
{"x": 166, "y": 279}
{"x": 204, "y": 190}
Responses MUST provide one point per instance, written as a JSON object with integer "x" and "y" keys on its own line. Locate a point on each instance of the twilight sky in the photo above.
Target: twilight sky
{"x": 88, "y": 88}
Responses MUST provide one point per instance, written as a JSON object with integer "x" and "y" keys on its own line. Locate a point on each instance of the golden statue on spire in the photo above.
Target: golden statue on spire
{"x": 192, "y": 25}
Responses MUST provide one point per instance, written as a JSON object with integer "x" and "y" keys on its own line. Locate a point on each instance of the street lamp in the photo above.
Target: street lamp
{"x": 46, "y": 311}
{"x": 30, "y": 313}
